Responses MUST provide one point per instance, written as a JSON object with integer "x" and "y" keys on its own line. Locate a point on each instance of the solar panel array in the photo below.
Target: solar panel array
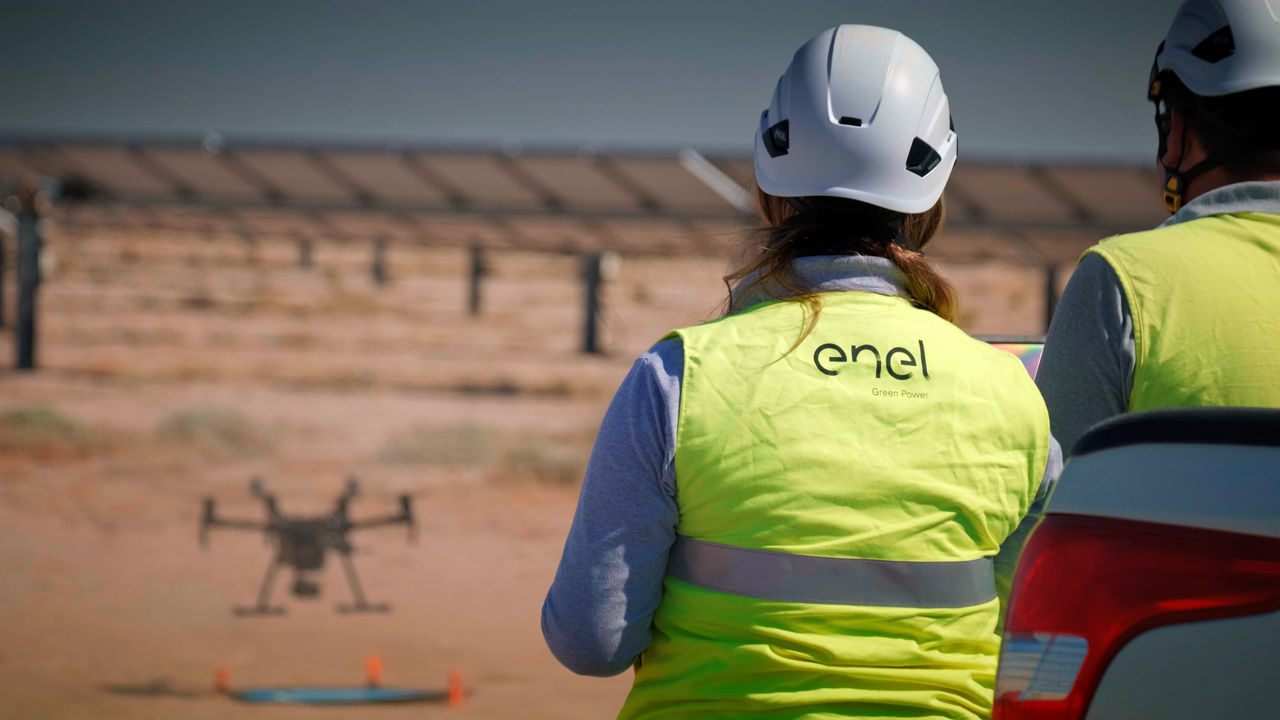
{"x": 562, "y": 200}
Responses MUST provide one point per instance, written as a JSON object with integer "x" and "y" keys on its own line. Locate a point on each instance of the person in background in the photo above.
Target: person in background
{"x": 1187, "y": 314}
{"x": 792, "y": 511}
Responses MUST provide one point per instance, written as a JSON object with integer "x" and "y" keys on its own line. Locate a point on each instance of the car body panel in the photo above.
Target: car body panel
{"x": 1216, "y": 487}
{"x": 1212, "y": 669}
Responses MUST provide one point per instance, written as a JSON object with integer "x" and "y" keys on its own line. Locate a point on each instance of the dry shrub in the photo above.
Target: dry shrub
{"x": 42, "y": 432}
{"x": 457, "y": 445}
{"x": 199, "y": 299}
{"x": 543, "y": 461}
{"x": 352, "y": 303}
{"x": 291, "y": 339}
{"x": 506, "y": 386}
{"x": 333, "y": 279}
{"x": 215, "y": 430}
{"x": 338, "y": 380}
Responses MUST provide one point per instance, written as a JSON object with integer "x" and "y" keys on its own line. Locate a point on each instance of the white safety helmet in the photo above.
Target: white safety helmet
{"x": 859, "y": 114}
{"x": 1215, "y": 48}
{"x": 1220, "y": 47}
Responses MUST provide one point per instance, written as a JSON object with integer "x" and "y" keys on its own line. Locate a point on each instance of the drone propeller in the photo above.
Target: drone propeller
{"x": 352, "y": 489}
{"x": 206, "y": 519}
{"x": 406, "y": 511}
{"x": 258, "y": 489}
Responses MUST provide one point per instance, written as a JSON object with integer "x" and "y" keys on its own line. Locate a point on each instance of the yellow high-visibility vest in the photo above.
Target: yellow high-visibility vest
{"x": 839, "y": 506}
{"x": 1205, "y": 300}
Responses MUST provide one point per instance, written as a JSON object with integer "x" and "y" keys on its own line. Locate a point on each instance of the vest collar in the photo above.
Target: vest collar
{"x": 829, "y": 273}
{"x": 1259, "y": 197}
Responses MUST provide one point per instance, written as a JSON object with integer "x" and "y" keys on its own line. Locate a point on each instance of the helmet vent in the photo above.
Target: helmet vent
{"x": 777, "y": 139}
{"x": 855, "y": 122}
{"x": 922, "y": 158}
{"x": 1221, "y": 44}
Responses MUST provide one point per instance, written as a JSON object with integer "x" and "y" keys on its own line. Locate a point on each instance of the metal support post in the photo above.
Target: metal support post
{"x": 591, "y": 277}
{"x": 379, "y": 265}
{"x": 304, "y": 251}
{"x": 478, "y": 272}
{"x": 250, "y": 248}
{"x": 29, "y": 246}
{"x": 3, "y": 269}
{"x": 1050, "y": 293}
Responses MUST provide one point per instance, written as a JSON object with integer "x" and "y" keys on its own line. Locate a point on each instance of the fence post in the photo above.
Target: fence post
{"x": 478, "y": 272}
{"x": 29, "y": 246}
{"x": 591, "y": 277}
{"x": 304, "y": 250}
{"x": 3, "y": 269}
{"x": 1050, "y": 293}
{"x": 379, "y": 265}
{"x": 250, "y": 248}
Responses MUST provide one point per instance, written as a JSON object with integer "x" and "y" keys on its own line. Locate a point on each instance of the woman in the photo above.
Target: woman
{"x": 791, "y": 511}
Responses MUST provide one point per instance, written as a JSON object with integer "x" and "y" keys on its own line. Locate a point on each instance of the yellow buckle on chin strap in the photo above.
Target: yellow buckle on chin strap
{"x": 1172, "y": 195}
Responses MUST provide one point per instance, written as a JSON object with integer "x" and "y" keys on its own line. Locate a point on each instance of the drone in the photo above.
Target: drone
{"x": 302, "y": 542}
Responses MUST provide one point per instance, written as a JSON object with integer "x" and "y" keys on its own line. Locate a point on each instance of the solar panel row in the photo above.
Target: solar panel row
{"x": 568, "y": 200}
{"x": 393, "y": 178}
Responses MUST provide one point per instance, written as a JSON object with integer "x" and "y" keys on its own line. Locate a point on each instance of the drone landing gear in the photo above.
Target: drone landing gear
{"x": 365, "y": 608}
{"x": 264, "y": 606}
{"x": 243, "y": 610}
{"x": 360, "y": 605}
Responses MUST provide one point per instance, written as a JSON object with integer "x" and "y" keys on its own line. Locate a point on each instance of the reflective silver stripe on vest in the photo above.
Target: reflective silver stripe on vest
{"x": 772, "y": 575}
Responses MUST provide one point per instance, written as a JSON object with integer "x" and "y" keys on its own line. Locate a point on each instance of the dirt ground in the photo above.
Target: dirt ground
{"x": 176, "y": 368}
{"x": 106, "y": 593}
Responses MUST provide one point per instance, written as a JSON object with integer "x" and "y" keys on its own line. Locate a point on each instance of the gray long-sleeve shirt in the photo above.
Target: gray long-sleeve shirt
{"x": 597, "y": 614}
{"x": 1086, "y": 372}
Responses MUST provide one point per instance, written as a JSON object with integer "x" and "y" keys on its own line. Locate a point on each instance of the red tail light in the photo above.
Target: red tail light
{"x": 1086, "y": 585}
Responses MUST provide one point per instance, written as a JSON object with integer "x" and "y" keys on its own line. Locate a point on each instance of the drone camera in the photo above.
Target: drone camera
{"x": 306, "y": 588}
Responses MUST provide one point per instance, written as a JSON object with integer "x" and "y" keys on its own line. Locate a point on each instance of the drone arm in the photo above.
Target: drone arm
{"x": 379, "y": 522}
{"x": 210, "y": 519}
{"x": 404, "y": 517}
{"x": 239, "y": 525}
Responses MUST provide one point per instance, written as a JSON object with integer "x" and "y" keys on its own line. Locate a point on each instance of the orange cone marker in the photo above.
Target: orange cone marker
{"x": 373, "y": 670}
{"x": 221, "y": 681}
{"x": 456, "y": 693}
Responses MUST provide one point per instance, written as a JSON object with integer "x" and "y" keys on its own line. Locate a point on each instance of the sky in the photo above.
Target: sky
{"x": 1027, "y": 79}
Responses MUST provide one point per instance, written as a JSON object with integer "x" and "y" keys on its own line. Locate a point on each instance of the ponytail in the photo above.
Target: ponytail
{"x": 835, "y": 226}
{"x": 927, "y": 288}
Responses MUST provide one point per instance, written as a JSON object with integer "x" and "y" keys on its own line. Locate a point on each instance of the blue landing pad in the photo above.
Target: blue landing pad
{"x": 337, "y": 695}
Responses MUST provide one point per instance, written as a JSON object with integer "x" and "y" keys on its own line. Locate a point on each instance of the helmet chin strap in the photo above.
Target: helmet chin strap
{"x": 1176, "y": 181}
{"x": 901, "y": 241}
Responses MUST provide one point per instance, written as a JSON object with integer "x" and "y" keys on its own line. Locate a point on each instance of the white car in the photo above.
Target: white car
{"x": 1151, "y": 589}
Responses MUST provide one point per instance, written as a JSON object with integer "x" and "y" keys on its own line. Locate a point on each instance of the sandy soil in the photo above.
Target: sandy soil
{"x": 106, "y": 593}
{"x": 174, "y": 369}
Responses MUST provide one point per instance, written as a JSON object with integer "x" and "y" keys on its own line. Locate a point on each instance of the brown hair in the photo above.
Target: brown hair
{"x": 836, "y": 226}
